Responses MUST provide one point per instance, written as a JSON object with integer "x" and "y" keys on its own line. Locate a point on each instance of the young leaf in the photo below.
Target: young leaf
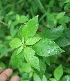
{"x": 29, "y": 30}
{"x": 53, "y": 79}
{"x": 15, "y": 43}
{"x": 51, "y": 20}
{"x": 44, "y": 78}
{"x": 58, "y": 72}
{"x": 30, "y": 58}
{"x": 20, "y": 19}
{"x": 19, "y": 49}
{"x": 23, "y": 19}
{"x": 36, "y": 77}
{"x": 60, "y": 15}
{"x": 32, "y": 41}
{"x": 64, "y": 20}
{"x": 47, "y": 47}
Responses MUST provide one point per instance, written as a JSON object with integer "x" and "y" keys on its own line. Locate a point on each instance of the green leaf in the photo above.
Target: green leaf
{"x": 67, "y": 34}
{"x": 47, "y": 60}
{"x": 36, "y": 77}
{"x": 67, "y": 70}
{"x": 3, "y": 51}
{"x": 67, "y": 6}
{"x": 51, "y": 20}
{"x": 64, "y": 20}
{"x": 47, "y": 47}
{"x": 29, "y": 30}
{"x": 32, "y": 41}
{"x": 30, "y": 58}
{"x": 44, "y": 78}
{"x": 34, "y": 62}
{"x": 25, "y": 67}
{"x": 42, "y": 66}
{"x": 58, "y": 72}
{"x": 25, "y": 77}
{"x": 53, "y": 33}
{"x": 21, "y": 19}
{"x": 53, "y": 79}
{"x": 8, "y": 38}
{"x": 28, "y": 52}
{"x": 15, "y": 43}
{"x": 66, "y": 78}
{"x": 60, "y": 15}
{"x": 16, "y": 60}
{"x": 62, "y": 41}
{"x": 19, "y": 49}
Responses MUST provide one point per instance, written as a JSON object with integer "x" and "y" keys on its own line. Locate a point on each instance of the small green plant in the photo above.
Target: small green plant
{"x": 30, "y": 46}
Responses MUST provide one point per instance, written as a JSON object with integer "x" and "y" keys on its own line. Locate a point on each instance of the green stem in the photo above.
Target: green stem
{"x": 4, "y": 23}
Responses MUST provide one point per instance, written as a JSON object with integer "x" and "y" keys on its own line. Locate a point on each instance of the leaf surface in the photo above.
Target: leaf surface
{"x": 53, "y": 33}
{"x": 16, "y": 60}
{"x": 32, "y": 41}
{"x": 30, "y": 58}
{"x": 29, "y": 30}
{"x": 15, "y": 43}
{"x": 60, "y": 15}
{"x": 36, "y": 77}
{"x": 47, "y": 47}
{"x": 58, "y": 72}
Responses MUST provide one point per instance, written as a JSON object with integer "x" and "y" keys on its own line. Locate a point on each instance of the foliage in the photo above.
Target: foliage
{"x": 35, "y": 39}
